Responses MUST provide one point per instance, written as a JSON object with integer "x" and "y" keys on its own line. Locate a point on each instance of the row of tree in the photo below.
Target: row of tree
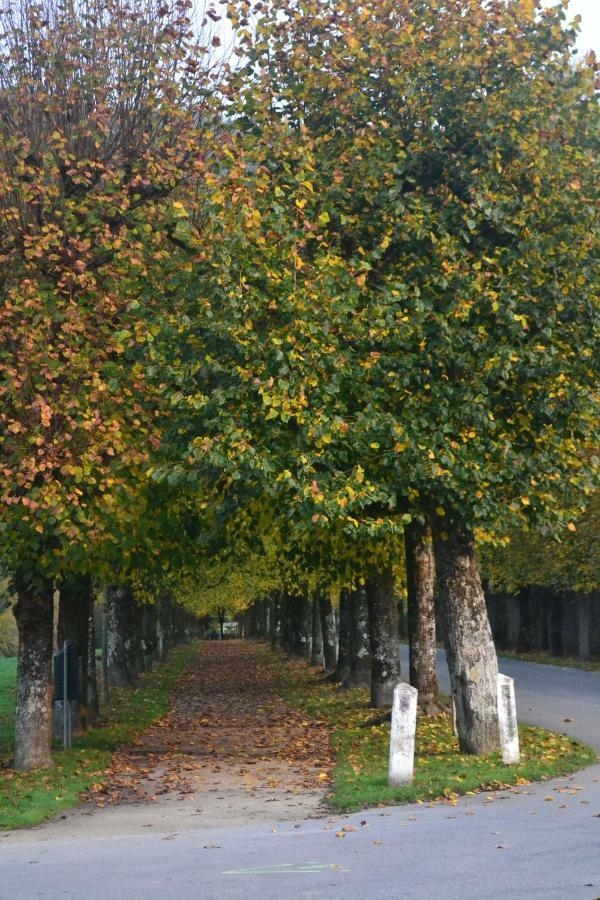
{"x": 357, "y": 638}
{"x": 263, "y": 323}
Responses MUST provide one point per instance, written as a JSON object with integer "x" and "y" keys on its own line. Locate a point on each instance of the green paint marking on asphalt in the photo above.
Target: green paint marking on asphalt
{"x": 284, "y": 869}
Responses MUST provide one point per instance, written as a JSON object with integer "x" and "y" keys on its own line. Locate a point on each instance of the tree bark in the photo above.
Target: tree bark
{"x": 555, "y": 645}
{"x": 149, "y": 634}
{"x": 342, "y": 671}
{"x": 285, "y": 623}
{"x": 276, "y": 623}
{"x": 584, "y": 624}
{"x": 420, "y": 581}
{"x": 327, "y": 630}
{"x": 383, "y": 637}
{"x": 468, "y": 638}
{"x": 34, "y": 612}
{"x": 136, "y": 636}
{"x": 75, "y": 613}
{"x": 118, "y": 601}
{"x": 105, "y": 690}
{"x": 360, "y": 659}
{"x": 317, "y": 657}
{"x": 161, "y": 629}
{"x": 301, "y": 623}
{"x": 91, "y": 695}
{"x": 513, "y": 621}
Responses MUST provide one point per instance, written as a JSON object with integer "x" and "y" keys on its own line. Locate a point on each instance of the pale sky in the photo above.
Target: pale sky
{"x": 589, "y": 10}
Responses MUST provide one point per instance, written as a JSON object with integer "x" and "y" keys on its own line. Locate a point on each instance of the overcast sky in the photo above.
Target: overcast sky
{"x": 589, "y": 10}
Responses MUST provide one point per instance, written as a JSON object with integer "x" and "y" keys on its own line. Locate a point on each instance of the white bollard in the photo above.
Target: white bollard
{"x": 507, "y": 720}
{"x": 402, "y": 738}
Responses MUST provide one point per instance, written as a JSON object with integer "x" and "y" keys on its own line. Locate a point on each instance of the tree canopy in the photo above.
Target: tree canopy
{"x": 397, "y": 308}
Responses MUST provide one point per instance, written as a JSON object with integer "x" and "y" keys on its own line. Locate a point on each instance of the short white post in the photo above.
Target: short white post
{"x": 507, "y": 720}
{"x": 454, "y": 725}
{"x": 402, "y": 738}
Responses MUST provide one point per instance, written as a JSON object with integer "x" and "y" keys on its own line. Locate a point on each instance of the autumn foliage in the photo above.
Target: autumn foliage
{"x": 260, "y": 313}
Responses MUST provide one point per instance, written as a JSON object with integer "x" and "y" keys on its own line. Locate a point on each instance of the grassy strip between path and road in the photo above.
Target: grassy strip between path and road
{"x": 29, "y": 798}
{"x": 544, "y": 658}
{"x": 361, "y": 746}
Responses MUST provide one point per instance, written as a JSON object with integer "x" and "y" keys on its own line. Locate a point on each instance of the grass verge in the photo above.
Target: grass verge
{"x": 546, "y": 659}
{"x": 361, "y": 748}
{"x": 28, "y": 798}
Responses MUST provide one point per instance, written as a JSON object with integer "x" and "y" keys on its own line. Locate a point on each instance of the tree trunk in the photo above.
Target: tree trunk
{"x": 327, "y": 630}
{"x": 105, "y": 691}
{"x": 161, "y": 631}
{"x": 301, "y": 624}
{"x": 317, "y": 657}
{"x": 468, "y": 638}
{"x": 584, "y": 623}
{"x": 117, "y": 605}
{"x": 285, "y": 623}
{"x": 420, "y": 581}
{"x": 539, "y": 631}
{"x": 276, "y": 623}
{"x": 91, "y": 694}
{"x": 383, "y": 637}
{"x": 75, "y": 611}
{"x": 149, "y": 634}
{"x": 33, "y": 731}
{"x": 360, "y": 660}
{"x": 555, "y": 625}
{"x": 513, "y": 617}
{"x": 307, "y": 626}
{"x": 136, "y": 636}
{"x": 342, "y": 671}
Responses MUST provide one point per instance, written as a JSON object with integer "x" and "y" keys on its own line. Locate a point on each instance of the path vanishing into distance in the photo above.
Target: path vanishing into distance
{"x": 222, "y": 801}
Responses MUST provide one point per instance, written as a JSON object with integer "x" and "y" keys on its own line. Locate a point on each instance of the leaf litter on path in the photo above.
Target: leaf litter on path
{"x": 230, "y": 741}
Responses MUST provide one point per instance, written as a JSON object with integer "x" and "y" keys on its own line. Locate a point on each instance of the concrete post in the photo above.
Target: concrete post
{"x": 402, "y": 738}
{"x": 507, "y": 718}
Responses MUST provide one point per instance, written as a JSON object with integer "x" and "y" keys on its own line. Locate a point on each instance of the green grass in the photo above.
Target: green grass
{"x": 545, "y": 658}
{"x": 29, "y": 798}
{"x": 361, "y": 747}
{"x": 8, "y": 675}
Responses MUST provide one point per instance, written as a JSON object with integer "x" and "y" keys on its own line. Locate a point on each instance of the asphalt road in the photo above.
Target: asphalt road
{"x": 514, "y": 844}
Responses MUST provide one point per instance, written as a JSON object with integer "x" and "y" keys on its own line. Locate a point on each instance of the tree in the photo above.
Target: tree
{"x": 569, "y": 560}
{"x": 101, "y": 106}
{"x": 400, "y": 319}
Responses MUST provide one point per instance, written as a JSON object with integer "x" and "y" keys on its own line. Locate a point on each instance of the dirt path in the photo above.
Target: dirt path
{"x": 230, "y": 751}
